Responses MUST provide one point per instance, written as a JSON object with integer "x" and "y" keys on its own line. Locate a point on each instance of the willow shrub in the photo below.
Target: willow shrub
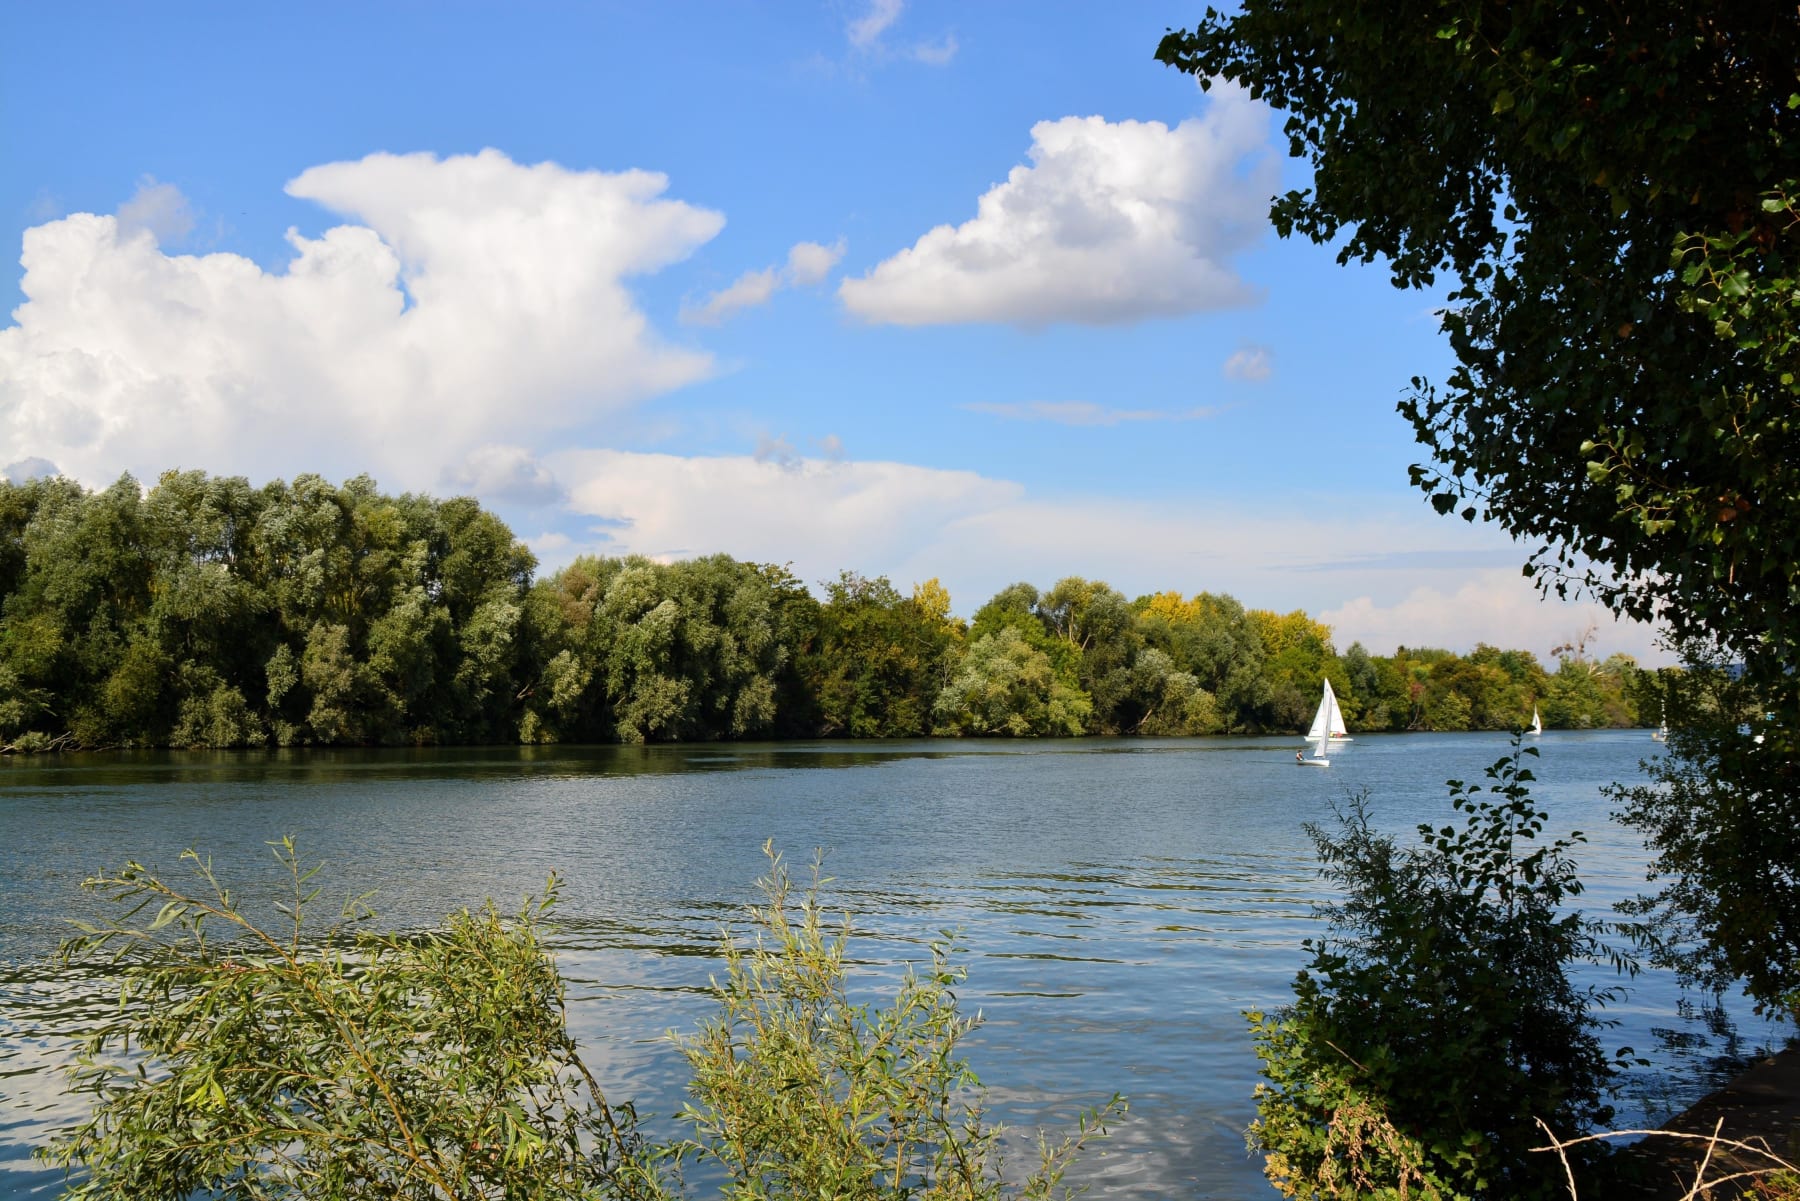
{"x": 245, "y": 1062}
{"x": 798, "y": 1092}
{"x": 275, "y": 1060}
{"x": 1436, "y": 1023}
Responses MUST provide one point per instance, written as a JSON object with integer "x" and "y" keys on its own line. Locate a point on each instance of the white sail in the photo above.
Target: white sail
{"x": 1537, "y": 723}
{"x": 1318, "y": 759}
{"x": 1328, "y": 722}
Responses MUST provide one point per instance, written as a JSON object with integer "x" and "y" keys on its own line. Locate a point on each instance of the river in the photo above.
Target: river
{"x": 1120, "y": 901}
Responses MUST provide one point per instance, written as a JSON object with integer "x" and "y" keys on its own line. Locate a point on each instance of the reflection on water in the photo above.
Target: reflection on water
{"x": 1119, "y": 905}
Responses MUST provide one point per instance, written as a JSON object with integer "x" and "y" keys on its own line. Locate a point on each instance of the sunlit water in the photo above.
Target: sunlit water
{"x": 1121, "y": 902}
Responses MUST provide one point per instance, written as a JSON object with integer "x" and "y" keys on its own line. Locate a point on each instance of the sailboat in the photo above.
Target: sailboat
{"x": 1327, "y": 728}
{"x": 1662, "y": 733}
{"x": 1328, "y": 722}
{"x": 1537, "y": 723}
{"x": 1318, "y": 756}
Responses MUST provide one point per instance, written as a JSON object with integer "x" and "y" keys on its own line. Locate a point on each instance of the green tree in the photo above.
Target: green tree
{"x": 691, "y": 650}
{"x": 1008, "y": 686}
{"x": 1612, "y": 190}
{"x": 880, "y": 658}
{"x": 1097, "y": 623}
{"x": 1296, "y": 657}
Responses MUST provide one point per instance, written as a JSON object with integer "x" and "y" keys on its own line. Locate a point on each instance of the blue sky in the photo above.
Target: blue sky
{"x": 975, "y": 292}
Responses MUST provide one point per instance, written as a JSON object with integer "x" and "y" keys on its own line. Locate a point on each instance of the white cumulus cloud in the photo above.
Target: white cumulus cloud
{"x": 1111, "y": 222}
{"x": 466, "y": 301}
{"x": 810, "y": 262}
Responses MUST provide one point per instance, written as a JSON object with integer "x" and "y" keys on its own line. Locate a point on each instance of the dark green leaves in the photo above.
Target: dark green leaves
{"x": 1437, "y": 1022}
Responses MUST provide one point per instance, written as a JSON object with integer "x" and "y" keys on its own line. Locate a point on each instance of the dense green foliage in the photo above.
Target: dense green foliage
{"x": 206, "y": 613}
{"x": 273, "y": 1061}
{"x": 1612, "y": 191}
{"x": 1436, "y": 1023}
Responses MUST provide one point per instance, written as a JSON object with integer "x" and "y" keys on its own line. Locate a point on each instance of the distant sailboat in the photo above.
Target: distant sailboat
{"x": 1328, "y": 722}
{"x": 1327, "y": 728}
{"x": 1537, "y": 723}
{"x": 1662, "y": 733}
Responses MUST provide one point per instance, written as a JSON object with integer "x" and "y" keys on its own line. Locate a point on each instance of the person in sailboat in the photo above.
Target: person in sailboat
{"x": 1298, "y": 758}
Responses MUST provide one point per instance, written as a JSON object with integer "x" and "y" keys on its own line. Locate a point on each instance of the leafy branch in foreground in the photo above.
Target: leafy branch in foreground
{"x": 1436, "y": 1022}
{"x": 798, "y": 1092}
{"x": 246, "y": 1063}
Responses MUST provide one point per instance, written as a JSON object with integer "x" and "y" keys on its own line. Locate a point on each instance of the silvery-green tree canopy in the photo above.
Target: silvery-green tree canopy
{"x": 1611, "y": 190}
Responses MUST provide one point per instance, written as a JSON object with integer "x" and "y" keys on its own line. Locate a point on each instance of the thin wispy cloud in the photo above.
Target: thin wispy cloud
{"x": 867, "y": 29}
{"x": 1253, "y": 363}
{"x": 1416, "y": 560}
{"x": 1084, "y": 412}
{"x": 808, "y": 263}
{"x": 159, "y": 209}
{"x": 866, "y": 33}
{"x": 938, "y": 53}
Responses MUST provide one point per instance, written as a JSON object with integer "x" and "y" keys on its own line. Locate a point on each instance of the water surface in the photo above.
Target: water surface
{"x": 1120, "y": 901}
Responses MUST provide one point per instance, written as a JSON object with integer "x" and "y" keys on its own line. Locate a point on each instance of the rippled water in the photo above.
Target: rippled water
{"x": 1121, "y": 902}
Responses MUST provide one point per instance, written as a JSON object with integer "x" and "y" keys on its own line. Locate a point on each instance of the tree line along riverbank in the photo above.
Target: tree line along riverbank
{"x": 205, "y": 612}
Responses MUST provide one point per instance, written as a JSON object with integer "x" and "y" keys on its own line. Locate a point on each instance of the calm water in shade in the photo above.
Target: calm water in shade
{"x": 1121, "y": 902}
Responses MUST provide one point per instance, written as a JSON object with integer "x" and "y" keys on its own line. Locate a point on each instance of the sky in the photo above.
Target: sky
{"x": 975, "y": 292}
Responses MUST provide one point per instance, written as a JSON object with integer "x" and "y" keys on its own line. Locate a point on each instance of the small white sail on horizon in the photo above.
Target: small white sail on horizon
{"x": 1537, "y": 723}
{"x": 1328, "y": 722}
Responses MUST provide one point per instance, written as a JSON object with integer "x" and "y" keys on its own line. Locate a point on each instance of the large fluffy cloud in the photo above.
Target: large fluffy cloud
{"x": 978, "y": 534}
{"x": 473, "y": 300}
{"x": 1112, "y": 222}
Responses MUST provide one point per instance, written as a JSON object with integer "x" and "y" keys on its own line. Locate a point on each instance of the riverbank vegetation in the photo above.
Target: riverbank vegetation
{"x": 1436, "y": 1024}
{"x": 204, "y": 612}
{"x": 256, "y": 1059}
